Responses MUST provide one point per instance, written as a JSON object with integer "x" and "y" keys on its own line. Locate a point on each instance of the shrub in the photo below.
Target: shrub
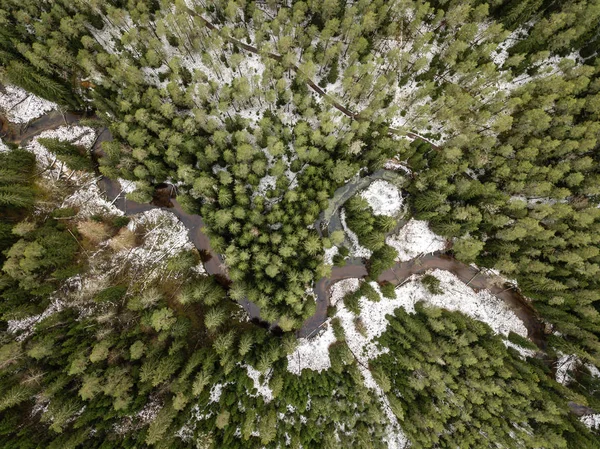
{"x": 432, "y": 284}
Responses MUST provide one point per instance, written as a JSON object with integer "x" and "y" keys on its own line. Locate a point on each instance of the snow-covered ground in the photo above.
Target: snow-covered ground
{"x": 78, "y": 135}
{"x": 216, "y": 391}
{"x": 591, "y": 421}
{"x": 340, "y": 288}
{"x": 524, "y": 352}
{"x": 87, "y": 197}
{"x": 383, "y": 197}
{"x": 127, "y": 186}
{"x": 565, "y": 364}
{"x": 262, "y": 388}
{"x": 89, "y": 200}
{"x": 392, "y": 165}
{"x": 266, "y": 182}
{"x": 20, "y": 106}
{"x": 26, "y": 325}
{"x": 458, "y": 296}
{"x": 329, "y": 254}
{"x": 364, "y": 349}
{"x": 415, "y": 238}
{"x": 312, "y": 353}
{"x": 3, "y": 147}
{"x": 164, "y": 236}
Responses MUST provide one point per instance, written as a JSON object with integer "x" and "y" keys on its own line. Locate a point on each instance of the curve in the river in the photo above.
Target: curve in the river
{"x": 215, "y": 266}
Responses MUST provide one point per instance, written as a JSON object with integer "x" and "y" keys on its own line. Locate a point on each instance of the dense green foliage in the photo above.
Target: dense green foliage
{"x": 74, "y": 157}
{"x": 453, "y": 383}
{"x": 259, "y": 111}
{"x": 535, "y": 200}
{"x": 17, "y": 193}
{"x": 370, "y": 229}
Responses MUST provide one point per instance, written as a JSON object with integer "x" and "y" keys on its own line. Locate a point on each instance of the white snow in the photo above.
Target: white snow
{"x": 392, "y": 165}
{"x": 312, "y": 353}
{"x": 262, "y": 388}
{"x": 591, "y": 421}
{"x": 20, "y": 106}
{"x": 164, "y": 237}
{"x": 150, "y": 410}
{"x": 500, "y": 55}
{"x": 330, "y": 254}
{"x": 266, "y": 182}
{"x": 27, "y": 324}
{"x": 566, "y": 363}
{"x": 3, "y": 147}
{"x": 215, "y": 392}
{"x": 415, "y": 238}
{"x": 595, "y": 372}
{"x": 364, "y": 349}
{"x": 383, "y": 197}
{"x": 199, "y": 268}
{"x": 127, "y": 186}
{"x": 89, "y": 199}
{"x": 338, "y": 290}
{"x": 524, "y": 352}
{"x": 147, "y": 414}
{"x": 78, "y": 135}
{"x": 458, "y": 296}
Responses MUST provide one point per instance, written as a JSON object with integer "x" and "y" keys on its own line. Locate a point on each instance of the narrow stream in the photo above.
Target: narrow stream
{"x": 215, "y": 266}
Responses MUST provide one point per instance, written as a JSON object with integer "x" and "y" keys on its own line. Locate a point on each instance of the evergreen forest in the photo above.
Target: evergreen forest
{"x": 368, "y": 224}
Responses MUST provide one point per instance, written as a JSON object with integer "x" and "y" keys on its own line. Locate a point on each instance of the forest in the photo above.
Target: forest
{"x": 295, "y": 223}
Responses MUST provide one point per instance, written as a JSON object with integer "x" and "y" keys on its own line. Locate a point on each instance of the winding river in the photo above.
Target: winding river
{"x": 355, "y": 269}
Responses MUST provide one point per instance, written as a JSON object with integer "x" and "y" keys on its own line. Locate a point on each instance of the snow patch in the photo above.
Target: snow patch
{"x": 312, "y": 353}
{"x": 215, "y": 392}
{"x": 524, "y": 352}
{"x": 458, "y": 296}
{"x": 3, "y": 147}
{"x": 591, "y": 421}
{"x": 20, "y": 106}
{"x": 263, "y": 388}
{"x": 127, "y": 186}
{"x": 26, "y": 325}
{"x": 89, "y": 199}
{"x": 383, "y": 197}
{"x": 364, "y": 349}
{"x": 341, "y": 288}
{"x": 267, "y": 182}
{"x": 392, "y": 165}
{"x": 77, "y": 135}
{"x": 595, "y": 372}
{"x": 164, "y": 237}
{"x": 150, "y": 411}
{"x": 415, "y": 238}
{"x": 565, "y": 364}
{"x": 330, "y": 254}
